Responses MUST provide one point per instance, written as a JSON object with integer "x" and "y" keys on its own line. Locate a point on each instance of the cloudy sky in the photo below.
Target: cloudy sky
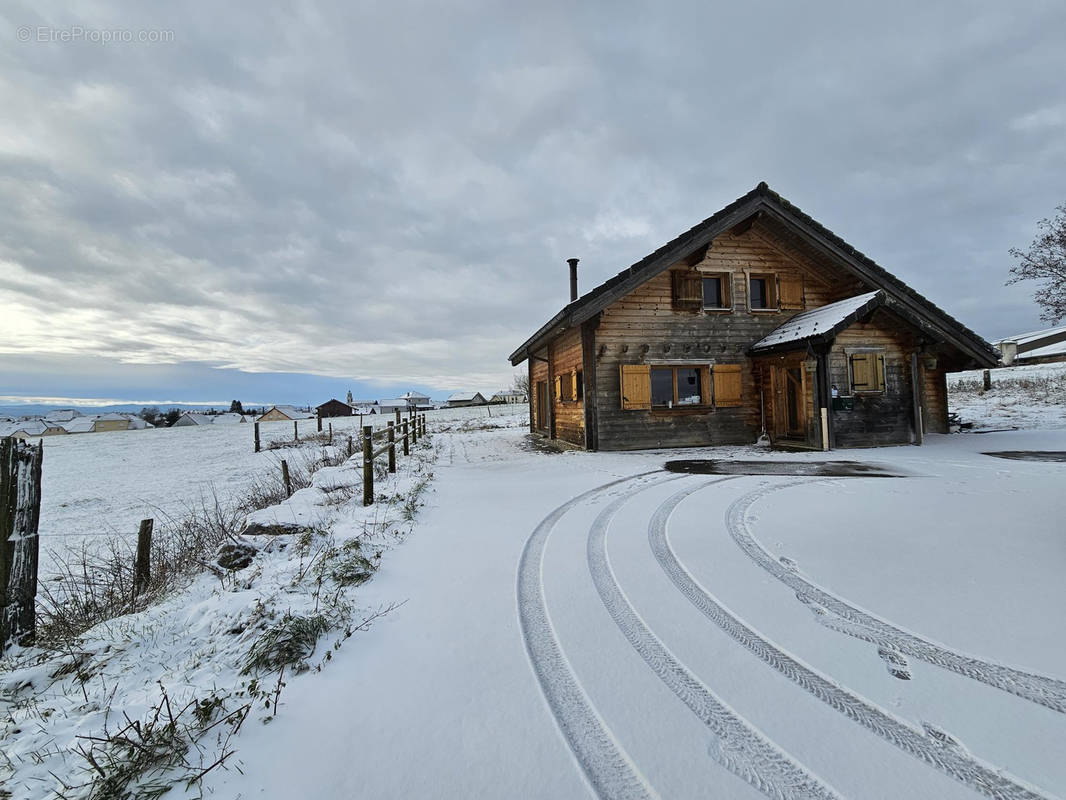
{"x": 279, "y": 205}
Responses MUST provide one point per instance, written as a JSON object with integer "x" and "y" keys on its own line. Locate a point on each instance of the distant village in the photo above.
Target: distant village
{"x": 71, "y": 421}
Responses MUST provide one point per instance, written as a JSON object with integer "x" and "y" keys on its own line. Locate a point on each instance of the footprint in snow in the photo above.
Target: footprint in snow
{"x": 896, "y": 662}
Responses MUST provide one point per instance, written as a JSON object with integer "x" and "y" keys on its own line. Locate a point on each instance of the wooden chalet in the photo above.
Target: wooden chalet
{"x": 333, "y": 408}
{"x": 756, "y": 320}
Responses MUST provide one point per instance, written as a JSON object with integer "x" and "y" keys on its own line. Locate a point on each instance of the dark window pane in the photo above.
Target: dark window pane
{"x": 688, "y": 387}
{"x": 712, "y": 293}
{"x": 758, "y": 292}
{"x": 662, "y": 386}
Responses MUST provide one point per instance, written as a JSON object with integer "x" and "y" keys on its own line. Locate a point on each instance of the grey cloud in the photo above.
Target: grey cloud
{"x": 389, "y": 191}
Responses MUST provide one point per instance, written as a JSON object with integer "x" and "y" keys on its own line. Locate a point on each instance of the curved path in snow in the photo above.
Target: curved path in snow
{"x": 608, "y": 769}
{"x": 954, "y": 761}
{"x": 1041, "y": 689}
{"x": 742, "y": 748}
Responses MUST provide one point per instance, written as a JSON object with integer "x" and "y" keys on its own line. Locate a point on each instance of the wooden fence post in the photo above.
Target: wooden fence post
{"x": 257, "y": 437}
{"x": 20, "y": 513}
{"x": 414, "y": 430}
{"x": 142, "y": 572}
{"x": 392, "y": 446}
{"x": 368, "y": 465}
{"x": 987, "y": 378}
{"x": 406, "y": 435}
{"x": 423, "y": 424}
{"x": 351, "y": 447}
{"x": 397, "y": 410}
{"x": 285, "y": 477}
{"x": 331, "y": 433}
{"x": 295, "y": 431}
{"x": 319, "y": 417}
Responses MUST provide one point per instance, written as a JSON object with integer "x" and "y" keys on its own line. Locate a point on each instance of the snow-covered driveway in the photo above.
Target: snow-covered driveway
{"x": 592, "y": 625}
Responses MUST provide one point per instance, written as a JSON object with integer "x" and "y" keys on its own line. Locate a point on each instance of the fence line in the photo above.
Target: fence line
{"x": 410, "y": 431}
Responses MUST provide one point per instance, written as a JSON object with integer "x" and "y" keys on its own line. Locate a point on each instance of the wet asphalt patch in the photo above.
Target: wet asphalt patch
{"x": 816, "y": 469}
{"x": 1029, "y": 455}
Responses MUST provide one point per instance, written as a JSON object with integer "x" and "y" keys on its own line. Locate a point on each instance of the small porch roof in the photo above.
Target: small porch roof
{"x": 819, "y": 325}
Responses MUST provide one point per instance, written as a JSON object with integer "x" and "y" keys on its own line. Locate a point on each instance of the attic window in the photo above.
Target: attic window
{"x": 716, "y": 292}
{"x": 761, "y": 294}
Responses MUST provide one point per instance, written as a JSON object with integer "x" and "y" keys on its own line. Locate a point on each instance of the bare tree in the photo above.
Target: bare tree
{"x": 1045, "y": 260}
{"x": 521, "y": 383}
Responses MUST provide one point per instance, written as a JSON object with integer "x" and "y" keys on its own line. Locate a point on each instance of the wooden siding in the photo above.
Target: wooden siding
{"x": 877, "y": 418}
{"x": 935, "y": 400}
{"x": 538, "y": 372}
{"x": 569, "y": 414}
{"x": 644, "y": 327}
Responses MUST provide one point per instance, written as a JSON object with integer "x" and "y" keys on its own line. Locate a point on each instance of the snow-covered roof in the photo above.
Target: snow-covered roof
{"x": 817, "y": 321}
{"x": 197, "y": 419}
{"x": 414, "y": 396}
{"x": 458, "y": 397}
{"x": 1057, "y": 349}
{"x": 292, "y": 412}
{"x": 79, "y": 425}
{"x": 226, "y": 419}
{"x": 62, "y": 415}
{"x": 1038, "y": 344}
{"x": 395, "y": 402}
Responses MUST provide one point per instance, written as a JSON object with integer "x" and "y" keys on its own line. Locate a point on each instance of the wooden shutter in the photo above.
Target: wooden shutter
{"x": 687, "y": 291}
{"x": 790, "y": 291}
{"x": 573, "y": 385}
{"x": 862, "y": 372}
{"x": 727, "y": 385}
{"x": 558, "y": 388}
{"x": 635, "y": 382}
{"x": 878, "y": 366}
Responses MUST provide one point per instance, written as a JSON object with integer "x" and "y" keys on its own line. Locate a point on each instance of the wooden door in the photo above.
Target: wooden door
{"x": 790, "y": 402}
{"x": 542, "y": 405}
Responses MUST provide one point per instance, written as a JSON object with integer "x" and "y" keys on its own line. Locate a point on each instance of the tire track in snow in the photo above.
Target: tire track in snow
{"x": 954, "y": 761}
{"x": 1040, "y": 689}
{"x": 742, "y": 748}
{"x": 608, "y": 770}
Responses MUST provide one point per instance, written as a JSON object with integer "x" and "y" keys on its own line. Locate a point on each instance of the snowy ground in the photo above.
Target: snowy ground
{"x": 100, "y": 485}
{"x": 585, "y": 624}
{"x": 1031, "y": 396}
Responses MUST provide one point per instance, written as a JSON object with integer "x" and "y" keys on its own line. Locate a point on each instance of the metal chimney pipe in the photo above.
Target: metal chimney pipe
{"x": 573, "y": 278}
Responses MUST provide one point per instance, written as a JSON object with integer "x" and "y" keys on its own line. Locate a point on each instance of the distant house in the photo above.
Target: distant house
{"x": 31, "y": 429}
{"x": 417, "y": 400}
{"x": 460, "y": 399}
{"x": 334, "y": 408}
{"x": 509, "y": 397}
{"x": 79, "y": 425}
{"x": 118, "y": 422}
{"x": 1036, "y": 347}
{"x": 363, "y": 410}
{"x": 229, "y": 418}
{"x": 389, "y": 405}
{"x": 191, "y": 418}
{"x": 284, "y": 414}
{"x": 61, "y": 415}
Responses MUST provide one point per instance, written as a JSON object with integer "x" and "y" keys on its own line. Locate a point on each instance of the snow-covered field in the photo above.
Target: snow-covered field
{"x": 1032, "y": 396}
{"x": 101, "y": 485}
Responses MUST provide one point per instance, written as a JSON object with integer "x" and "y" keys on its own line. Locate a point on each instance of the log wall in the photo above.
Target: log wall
{"x": 882, "y": 418}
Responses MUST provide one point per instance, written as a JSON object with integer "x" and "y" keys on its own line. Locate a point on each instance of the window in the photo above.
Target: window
{"x": 761, "y": 293}
{"x": 716, "y": 292}
{"x": 579, "y": 385}
{"x": 662, "y": 386}
{"x": 867, "y": 373}
{"x": 674, "y": 387}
